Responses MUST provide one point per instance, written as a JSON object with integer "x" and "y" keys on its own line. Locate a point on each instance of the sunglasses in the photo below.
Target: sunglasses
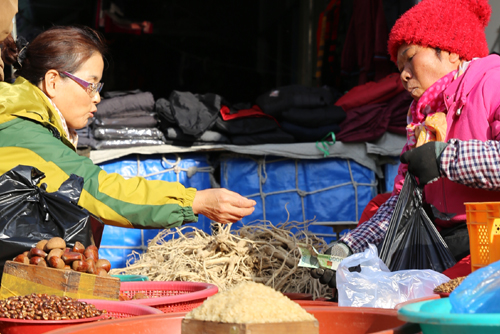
{"x": 91, "y": 88}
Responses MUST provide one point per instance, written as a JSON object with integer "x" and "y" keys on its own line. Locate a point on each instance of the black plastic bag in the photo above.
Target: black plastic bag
{"x": 29, "y": 213}
{"x": 412, "y": 240}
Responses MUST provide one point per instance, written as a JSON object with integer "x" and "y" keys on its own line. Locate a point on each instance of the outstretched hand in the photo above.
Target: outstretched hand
{"x": 222, "y": 205}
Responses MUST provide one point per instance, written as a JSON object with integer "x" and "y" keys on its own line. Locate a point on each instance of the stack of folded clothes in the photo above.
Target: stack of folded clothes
{"x": 369, "y": 122}
{"x": 246, "y": 124}
{"x": 306, "y": 113}
{"x": 374, "y": 109}
{"x": 188, "y": 119}
{"x": 285, "y": 115}
{"x": 86, "y": 138}
{"x": 194, "y": 119}
{"x": 126, "y": 119}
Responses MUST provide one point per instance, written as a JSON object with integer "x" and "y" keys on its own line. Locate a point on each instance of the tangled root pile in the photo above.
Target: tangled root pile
{"x": 259, "y": 252}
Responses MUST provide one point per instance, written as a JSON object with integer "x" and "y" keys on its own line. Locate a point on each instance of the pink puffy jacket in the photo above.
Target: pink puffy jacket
{"x": 473, "y": 104}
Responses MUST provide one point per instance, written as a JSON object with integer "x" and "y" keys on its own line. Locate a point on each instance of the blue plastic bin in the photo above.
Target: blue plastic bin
{"x": 323, "y": 190}
{"x": 434, "y": 317}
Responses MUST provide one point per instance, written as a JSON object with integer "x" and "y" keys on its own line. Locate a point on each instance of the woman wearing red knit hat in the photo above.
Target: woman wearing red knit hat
{"x": 453, "y": 127}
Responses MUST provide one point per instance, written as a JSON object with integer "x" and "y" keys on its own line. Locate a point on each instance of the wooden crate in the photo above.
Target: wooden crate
{"x": 191, "y": 326}
{"x": 21, "y": 279}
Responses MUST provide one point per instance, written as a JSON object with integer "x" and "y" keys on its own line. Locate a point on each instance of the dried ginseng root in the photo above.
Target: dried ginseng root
{"x": 259, "y": 252}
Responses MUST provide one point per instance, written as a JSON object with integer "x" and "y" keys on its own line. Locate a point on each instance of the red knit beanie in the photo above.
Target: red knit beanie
{"x": 451, "y": 25}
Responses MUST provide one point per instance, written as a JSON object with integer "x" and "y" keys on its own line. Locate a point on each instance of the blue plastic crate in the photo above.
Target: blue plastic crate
{"x": 324, "y": 190}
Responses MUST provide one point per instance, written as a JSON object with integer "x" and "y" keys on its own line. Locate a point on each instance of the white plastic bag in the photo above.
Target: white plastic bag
{"x": 364, "y": 280}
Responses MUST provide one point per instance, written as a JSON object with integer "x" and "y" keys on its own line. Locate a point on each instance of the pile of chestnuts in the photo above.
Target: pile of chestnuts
{"x": 54, "y": 253}
{"x": 45, "y": 307}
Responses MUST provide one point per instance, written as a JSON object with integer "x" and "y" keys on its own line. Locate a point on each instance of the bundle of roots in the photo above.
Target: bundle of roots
{"x": 259, "y": 252}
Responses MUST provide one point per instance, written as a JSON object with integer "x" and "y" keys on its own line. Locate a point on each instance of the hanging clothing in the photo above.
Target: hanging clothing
{"x": 328, "y": 54}
{"x": 365, "y": 50}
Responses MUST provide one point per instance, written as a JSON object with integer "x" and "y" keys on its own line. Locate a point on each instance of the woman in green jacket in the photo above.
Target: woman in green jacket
{"x": 56, "y": 91}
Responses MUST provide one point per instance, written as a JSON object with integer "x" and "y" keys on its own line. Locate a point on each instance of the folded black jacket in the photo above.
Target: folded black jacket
{"x": 305, "y": 135}
{"x": 315, "y": 117}
{"x": 128, "y": 133}
{"x": 194, "y": 113}
{"x": 280, "y": 99}
{"x": 148, "y": 121}
{"x": 124, "y": 143}
{"x": 165, "y": 115}
{"x": 115, "y": 105}
{"x": 134, "y": 113}
{"x": 86, "y": 137}
{"x": 276, "y": 136}
{"x": 115, "y": 93}
{"x": 246, "y": 125}
{"x": 174, "y": 133}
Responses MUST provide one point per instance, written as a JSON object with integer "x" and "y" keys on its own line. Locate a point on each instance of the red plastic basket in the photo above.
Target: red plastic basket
{"x": 115, "y": 309}
{"x": 169, "y": 296}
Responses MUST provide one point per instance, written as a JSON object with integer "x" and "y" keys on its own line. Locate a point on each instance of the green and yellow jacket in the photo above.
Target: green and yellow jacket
{"x": 31, "y": 133}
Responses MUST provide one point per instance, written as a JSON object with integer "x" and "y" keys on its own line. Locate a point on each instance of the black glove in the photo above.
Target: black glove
{"x": 423, "y": 161}
{"x": 327, "y": 276}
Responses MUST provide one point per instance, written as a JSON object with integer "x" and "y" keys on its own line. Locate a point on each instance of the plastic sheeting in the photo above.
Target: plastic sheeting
{"x": 192, "y": 170}
{"x": 325, "y": 190}
{"x": 390, "y": 173}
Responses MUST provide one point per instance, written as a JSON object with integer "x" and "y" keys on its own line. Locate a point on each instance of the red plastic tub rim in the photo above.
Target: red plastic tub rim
{"x": 190, "y": 291}
{"x": 142, "y": 324}
{"x": 170, "y": 323}
{"x": 52, "y": 322}
{"x": 298, "y": 296}
{"x": 313, "y": 303}
{"x": 118, "y": 309}
{"x": 354, "y": 320}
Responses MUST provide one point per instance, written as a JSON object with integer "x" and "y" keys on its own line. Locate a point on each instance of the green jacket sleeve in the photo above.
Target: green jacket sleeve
{"x": 134, "y": 202}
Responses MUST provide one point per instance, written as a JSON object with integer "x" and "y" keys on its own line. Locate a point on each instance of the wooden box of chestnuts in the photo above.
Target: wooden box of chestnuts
{"x": 54, "y": 269}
